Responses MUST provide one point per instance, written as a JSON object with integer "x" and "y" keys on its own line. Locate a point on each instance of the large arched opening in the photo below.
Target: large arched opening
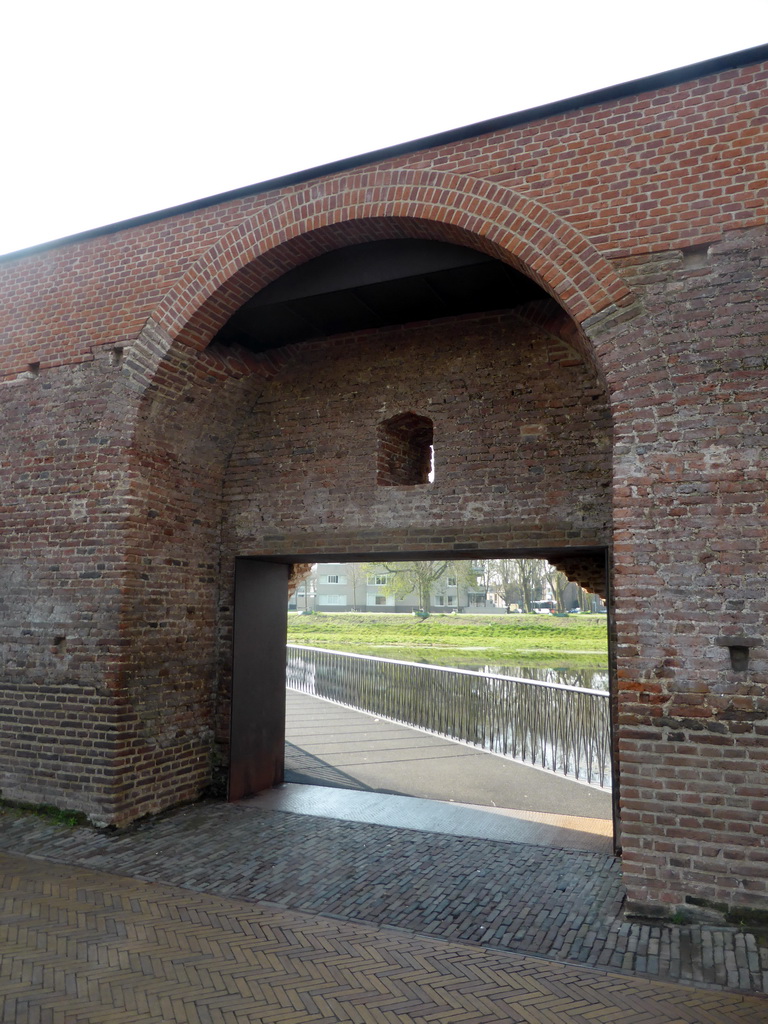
{"x": 385, "y": 338}
{"x": 265, "y": 379}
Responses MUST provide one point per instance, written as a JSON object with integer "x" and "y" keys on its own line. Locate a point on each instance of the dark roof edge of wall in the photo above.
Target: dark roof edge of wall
{"x": 661, "y": 80}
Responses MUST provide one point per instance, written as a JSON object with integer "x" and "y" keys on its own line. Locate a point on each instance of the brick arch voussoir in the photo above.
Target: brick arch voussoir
{"x": 353, "y": 208}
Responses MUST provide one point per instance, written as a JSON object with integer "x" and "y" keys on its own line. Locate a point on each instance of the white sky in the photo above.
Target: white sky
{"x": 117, "y": 109}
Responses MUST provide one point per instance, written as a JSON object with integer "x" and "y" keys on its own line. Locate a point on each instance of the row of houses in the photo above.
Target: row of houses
{"x": 339, "y": 586}
{"x": 354, "y": 587}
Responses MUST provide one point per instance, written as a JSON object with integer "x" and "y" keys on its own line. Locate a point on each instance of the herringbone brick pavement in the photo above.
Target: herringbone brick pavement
{"x": 562, "y": 904}
{"x": 85, "y": 947}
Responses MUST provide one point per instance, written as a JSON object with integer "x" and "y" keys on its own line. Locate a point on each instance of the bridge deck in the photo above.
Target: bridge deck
{"x": 374, "y": 766}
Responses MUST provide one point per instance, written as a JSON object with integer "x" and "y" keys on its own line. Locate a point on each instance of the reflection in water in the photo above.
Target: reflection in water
{"x": 586, "y": 678}
{"x": 592, "y": 679}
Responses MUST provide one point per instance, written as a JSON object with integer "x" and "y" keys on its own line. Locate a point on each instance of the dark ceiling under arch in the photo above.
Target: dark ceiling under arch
{"x": 375, "y": 284}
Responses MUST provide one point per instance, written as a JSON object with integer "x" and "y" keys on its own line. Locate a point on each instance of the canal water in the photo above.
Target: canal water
{"x": 592, "y": 679}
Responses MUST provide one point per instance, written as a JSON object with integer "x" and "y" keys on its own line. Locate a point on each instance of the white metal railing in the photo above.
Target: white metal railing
{"x": 562, "y": 728}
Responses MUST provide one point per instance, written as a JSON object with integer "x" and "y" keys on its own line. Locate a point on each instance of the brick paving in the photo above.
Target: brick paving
{"x": 85, "y": 947}
{"x": 560, "y": 904}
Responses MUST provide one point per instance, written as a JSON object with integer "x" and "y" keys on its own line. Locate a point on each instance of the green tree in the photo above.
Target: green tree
{"x": 404, "y": 578}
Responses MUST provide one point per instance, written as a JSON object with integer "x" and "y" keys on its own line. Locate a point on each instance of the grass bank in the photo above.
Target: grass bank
{"x": 578, "y": 641}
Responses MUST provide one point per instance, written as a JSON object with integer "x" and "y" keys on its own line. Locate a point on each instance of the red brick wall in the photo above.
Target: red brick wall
{"x": 137, "y": 465}
{"x": 661, "y": 170}
{"x": 651, "y": 172}
{"x": 521, "y": 439}
{"x": 108, "y": 589}
{"x": 60, "y": 590}
{"x": 690, "y": 401}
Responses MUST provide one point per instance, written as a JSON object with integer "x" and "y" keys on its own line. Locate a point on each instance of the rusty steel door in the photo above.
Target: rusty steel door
{"x": 257, "y": 727}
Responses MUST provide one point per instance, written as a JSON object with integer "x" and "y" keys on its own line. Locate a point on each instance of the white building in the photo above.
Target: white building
{"x": 353, "y": 586}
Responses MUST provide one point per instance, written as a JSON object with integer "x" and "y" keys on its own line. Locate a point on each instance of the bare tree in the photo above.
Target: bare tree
{"x": 357, "y": 577}
{"x": 529, "y": 576}
{"x": 484, "y": 572}
{"x": 505, "y": 579}
{"x": 558, "y": 581}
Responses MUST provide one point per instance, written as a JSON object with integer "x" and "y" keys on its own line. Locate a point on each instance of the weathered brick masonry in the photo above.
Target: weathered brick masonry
{"x": 141, "y": 456}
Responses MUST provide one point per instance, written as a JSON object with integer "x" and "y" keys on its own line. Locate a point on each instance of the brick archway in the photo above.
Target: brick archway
{"x": 169, "y": 366}
{"x": 369, "y": 206}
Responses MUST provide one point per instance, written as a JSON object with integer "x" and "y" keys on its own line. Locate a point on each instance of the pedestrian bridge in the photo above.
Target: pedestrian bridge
{"x": 352, "y": 765}
{"x": 553, "y": 726}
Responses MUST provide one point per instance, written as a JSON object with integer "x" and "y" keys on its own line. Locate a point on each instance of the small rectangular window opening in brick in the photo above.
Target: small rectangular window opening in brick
{"x": 405, "y": 456}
